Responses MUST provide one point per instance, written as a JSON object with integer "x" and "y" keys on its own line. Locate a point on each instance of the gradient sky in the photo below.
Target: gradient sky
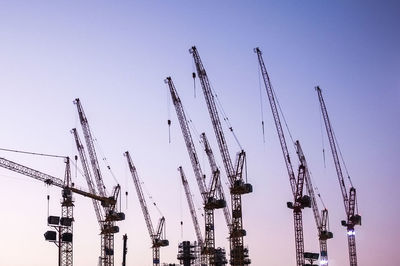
{"x": 114, "y": 56}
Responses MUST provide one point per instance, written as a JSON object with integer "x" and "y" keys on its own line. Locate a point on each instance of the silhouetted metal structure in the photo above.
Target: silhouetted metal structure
{"x": 200, "y": 242}
{"x": 349, "y": 199}
{"x": 322, "y": 223}
{"x": 238, "y": 253}
{"x": 157, "y": 238}
{"x": 109, "y": 216}
{"x": 125, "y": 249}
{"x": 210, "y": 203}
{"x": 300, "y": 201}
{"x": 186, "y": 253}
{"x": 66, "y": 249}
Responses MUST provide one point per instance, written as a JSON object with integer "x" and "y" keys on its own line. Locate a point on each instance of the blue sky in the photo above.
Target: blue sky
{"x": 114, "y": 56}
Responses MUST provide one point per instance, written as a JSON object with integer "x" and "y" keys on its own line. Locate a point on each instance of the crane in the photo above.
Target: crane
{"x": 156, "y": 236}
{"x": 218, "y": 185}
{"x": 349, "y": 199}
{"x": 210, "y": 203}
{"x": 125, "y": 249}
{"x": 67, "y": 187}
{"x": 88, "y": 175}
{"x": 238, "y": 187}
{"x": 200, "y": 241}
{"x": 110, "y": 216}
{"x": 322, "y": 223}
{"x": 300, "y": 201}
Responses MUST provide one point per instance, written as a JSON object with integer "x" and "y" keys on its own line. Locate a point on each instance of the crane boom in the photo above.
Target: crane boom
{"x": 191, "y": 207}
{"x": 212, "y": 109}
{"x": 188, "y": 139}
{"x": 156, "y": 236}
{"x": 49, "y": 180}
{"x": 88, "y": 175}
{"x": 238, "y": 252}
{"x": 349, "y": 200}
{"x": 217, "y": 181}
{"x": 142, "y": 200}
{"x": 90, "y": 147}
{"x": 321, "y": 223}
{"x": 277, "y": 120}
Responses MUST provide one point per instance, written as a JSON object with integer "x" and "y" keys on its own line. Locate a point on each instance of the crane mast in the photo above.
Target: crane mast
{"x": 209, "y": 201}
{"x": 300, "y": 201}
{"x": 124, "y": 250}
{"x": 108, "y": 228}
{"x": 321, "y": 223}
{"x": 349, "y": 200}
{"x": 67, "y": 208}
{"x": 238, "y": 253}
{"x": 156, "y": 236}
{"x": 67, "y": 203}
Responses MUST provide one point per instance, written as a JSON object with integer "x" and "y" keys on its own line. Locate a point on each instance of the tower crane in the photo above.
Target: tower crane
{"x": 156, "y": 236}
{"x": 349, "y": 198}
{"x": 218, "y": 185}
{"x": 88, "y": 175}
{"x": 110, "y": 216}
{"x": 66, "y": 248}
{"x": 210, "y": 203}
{"x": 300, "y": 201}
{"x": 322, "y": 223}
{"x": 200, "y": 241}
{"x": 238, "y": 187}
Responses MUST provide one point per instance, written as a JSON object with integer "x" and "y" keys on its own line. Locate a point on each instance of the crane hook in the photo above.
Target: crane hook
{"x": 169, "y": 131}
{"x": 194, "y": 83}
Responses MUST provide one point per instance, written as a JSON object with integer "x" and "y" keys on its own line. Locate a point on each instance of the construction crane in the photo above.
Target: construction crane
{"x": 88, "y": 176}
{"x": 157, "y": 237}
{"x": 200, "y": 241}
{"x": 239, "y": 255}
{"x": 321, "y": 222}
{"x": 110, "y": 215}
{"x": 216, "y": 181}
{"x": 125, "y": 249}
{"x": 349, "y": 198}
{"x": 66, "y": 257}
{"x": 216, "y": 187}
{"x": 210, "y": 203}
{"x": 300, "y": 201}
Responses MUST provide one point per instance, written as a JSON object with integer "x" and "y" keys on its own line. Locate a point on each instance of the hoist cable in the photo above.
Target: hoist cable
{"x": 283, "y": 116}
{"x": 341, "y": 157}
{"x": 261, "y": 103}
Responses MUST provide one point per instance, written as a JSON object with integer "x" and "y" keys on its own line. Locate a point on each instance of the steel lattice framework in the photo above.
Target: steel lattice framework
{"x": 300, "y": 201}
{"x": 156, "y": 236}
{"x": 349, "y": 200}
{"x": 321, "y": 223}
{"x": 108, "y": 218}
{"x": 238, "y": 253}
{"x": 210, "y": 203}
{"x": 66, "y": 248}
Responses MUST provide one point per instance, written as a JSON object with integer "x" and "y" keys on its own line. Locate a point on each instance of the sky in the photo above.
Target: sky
{"x": 115, "y": 55}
